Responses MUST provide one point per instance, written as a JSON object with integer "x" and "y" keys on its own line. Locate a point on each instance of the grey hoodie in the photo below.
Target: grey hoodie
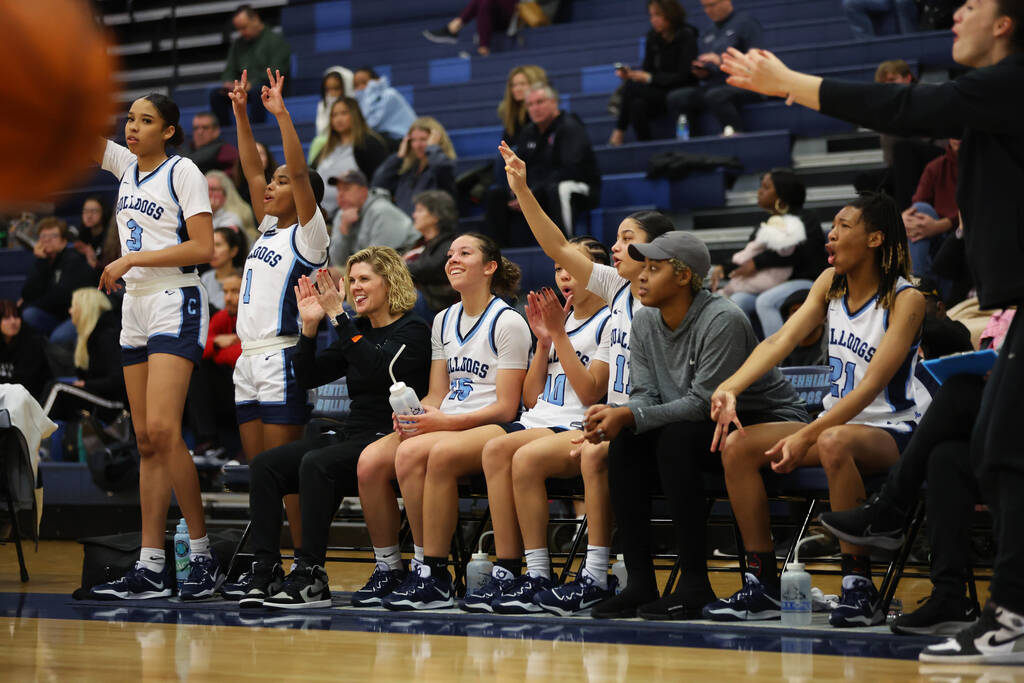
{"x": 380, "y": 223}
{"x": 674, "y": 372}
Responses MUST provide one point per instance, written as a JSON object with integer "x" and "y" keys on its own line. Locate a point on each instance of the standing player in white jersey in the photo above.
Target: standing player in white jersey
{"x": 272, "y": 408}
{"x": 165, "y": 228}
{"x": 874, "y": 317}
{"x": 480, "y": 352}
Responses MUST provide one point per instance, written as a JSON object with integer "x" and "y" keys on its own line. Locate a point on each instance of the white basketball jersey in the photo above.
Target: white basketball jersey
{"x": 150, "y": 213}
{"x": 558, "y": 405}
{"x": 267, "y": 307}
{"x": 853, "y": 338}
{"x": 471, "y": 354}
{"x": 623, "y": 306}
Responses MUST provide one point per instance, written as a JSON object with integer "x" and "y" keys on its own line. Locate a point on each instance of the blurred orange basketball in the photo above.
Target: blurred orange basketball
{"x": 57, "y": 95}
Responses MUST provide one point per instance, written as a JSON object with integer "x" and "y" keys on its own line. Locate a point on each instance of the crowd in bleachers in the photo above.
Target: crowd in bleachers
{"x": 400, "y": 260}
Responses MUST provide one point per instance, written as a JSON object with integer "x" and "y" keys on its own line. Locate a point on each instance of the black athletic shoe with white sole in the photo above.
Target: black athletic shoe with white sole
{"x": 305, "y": 588}
{"x": 204, "y": 579}
{"x": 876, "y": 523}
{"x": 857, "y": 604}
{"x": 996, "y": 638}
{"x": 441, "y": 35}
{"x": 379, "y": 586}
{"x": 753, "y": 602}
{"x": 137, "y": 584}
{"x": 264, "y": 581}
{"x": 939, "y": 615}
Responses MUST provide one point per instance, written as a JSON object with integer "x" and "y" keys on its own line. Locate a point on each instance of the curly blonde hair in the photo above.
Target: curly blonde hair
{"x": 430, "y": 125}
{"x": 386, "y": 262}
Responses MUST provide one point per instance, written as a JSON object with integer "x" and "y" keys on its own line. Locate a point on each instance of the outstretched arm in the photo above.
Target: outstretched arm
{"x": 248, "y": 154}
{"x": 549, "y": 236}
{"x": 298, "y": 172}
{"x": 761, "y": 71}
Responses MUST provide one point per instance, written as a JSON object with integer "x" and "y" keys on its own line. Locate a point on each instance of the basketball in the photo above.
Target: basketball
{"x": 58, "y": 100}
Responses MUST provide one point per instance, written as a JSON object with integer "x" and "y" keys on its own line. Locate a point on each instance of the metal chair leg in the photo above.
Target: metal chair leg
{"x": 895, "y": 571}
{"x": 15, "y": 532}
{"x": 581, "y": 530}
{"x": 238, "y": 548}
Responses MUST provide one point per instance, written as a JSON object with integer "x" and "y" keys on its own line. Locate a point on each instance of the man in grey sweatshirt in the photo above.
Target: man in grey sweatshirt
{"x": 684, "y": 342}
{"x": 367, "y": 217}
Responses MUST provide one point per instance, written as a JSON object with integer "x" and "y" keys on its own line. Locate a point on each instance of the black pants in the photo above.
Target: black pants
{"x": 211, "y": 401}
{"x": 997, "y": 449}
{"x": 723, "y": 101}
{"x": 677, "y": 455}
{"x": 322, "y": 471}
{"x": 640, "y": 103}
{"x": 509, "y": 227}
{"x": 220, "y": 105}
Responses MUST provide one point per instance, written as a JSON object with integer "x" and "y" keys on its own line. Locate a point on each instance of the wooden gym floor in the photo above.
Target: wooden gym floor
{"x": 48, "y": 636}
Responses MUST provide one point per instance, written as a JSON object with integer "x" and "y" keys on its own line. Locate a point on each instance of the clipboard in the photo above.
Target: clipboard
{"x": 970, "y": 363}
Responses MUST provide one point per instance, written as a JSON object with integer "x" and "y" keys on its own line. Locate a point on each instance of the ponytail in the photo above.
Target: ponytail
{"x": 505, "y": 281}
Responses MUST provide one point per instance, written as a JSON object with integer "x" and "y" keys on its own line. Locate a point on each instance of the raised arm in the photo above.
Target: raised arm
{"x": 549, "y": 236}
{"x": 298, "y": 171}
{"x": 248, "y": 154}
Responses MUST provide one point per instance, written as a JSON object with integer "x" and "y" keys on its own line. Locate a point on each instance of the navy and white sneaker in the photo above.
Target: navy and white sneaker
{"x": 138, "y": 583}
{"x": 422, "y": 591}
{"x": 996, "y": 638}
{"x": 305, "y": 588}
{"x": 576, "y": 596}
{"x": 520, "y": 597}
{"x": 856, "y": 604}
{"x": 264, "y": 581}
{"x": 204, "y": 579}
{"x": 753, "y": 602}
{"x": 236, "y": 590}
{"x": 381, "y": 583}
{"x": 480, "y": 600}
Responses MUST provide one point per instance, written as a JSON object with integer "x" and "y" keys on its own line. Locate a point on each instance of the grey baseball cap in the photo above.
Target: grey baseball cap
{"x": 351, "y": 177}
{"x": 680, "y": 244}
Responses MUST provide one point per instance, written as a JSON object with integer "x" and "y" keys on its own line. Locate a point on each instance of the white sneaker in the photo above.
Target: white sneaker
{"x": 996, "y": 638}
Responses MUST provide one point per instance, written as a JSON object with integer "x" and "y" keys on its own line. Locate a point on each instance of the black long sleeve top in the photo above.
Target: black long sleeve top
{"x": 362, "y": 355}
{"x": 983, "y": 108}
{"x": 669, "y": 62}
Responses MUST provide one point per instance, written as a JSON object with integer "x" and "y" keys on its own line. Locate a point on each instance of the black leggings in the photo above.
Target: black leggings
{"x": 640, "y": 103}
{"x": 322, "y": 471}
{"x": 677, "y": 454}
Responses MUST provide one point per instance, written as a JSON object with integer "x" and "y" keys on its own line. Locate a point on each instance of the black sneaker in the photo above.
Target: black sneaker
{"x": 305, "y": 588}
{"x": 264, "y": 581}
{"x": 441, "y": 35}
{"x": 876, "y": 523}
{"x": 940, "y": 615}
{"x": 753, "y": 602}
{"x": 624, "y": 605}
{"x": 675, "y": 606}
{"x": 996, "y": 638}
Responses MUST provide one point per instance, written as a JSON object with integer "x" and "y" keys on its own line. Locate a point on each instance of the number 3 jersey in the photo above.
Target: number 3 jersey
{"x": 152, "y": 207}
{"x": 475, "y": 348}
{"x": 853, "y": 338}
{"x": 266, "y": 304}
{"x": 558, "y": 405}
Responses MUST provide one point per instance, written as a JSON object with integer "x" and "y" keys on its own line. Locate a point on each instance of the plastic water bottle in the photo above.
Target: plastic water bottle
{"x": 182, "y": 564}
{"x": 403, "y": 399}
{"x": 682, "y": 128}
{"x": 796, "y": 590}
{"x": 479, "y": 567}
{"x": 619, "y": 571}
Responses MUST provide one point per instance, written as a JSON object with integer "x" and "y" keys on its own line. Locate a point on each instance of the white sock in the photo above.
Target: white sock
{"x": 389, "y": 557}
{"x": 153, "y": 559}
{"x": 199, "y": 546}
{"x": 597, "y": 564}
{"x": 538, "y": 563}
{"x": 417, "y": 553}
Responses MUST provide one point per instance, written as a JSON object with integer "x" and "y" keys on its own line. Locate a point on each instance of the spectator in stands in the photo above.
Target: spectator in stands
{"x": 860, "y": 12}
{"x": 562, "y": 163}
{"x": 229, "y": 209}
{"x": 256, "y": 49}
{"x": 934, "y": 212}
{"x": 383, "y": 107}
{"x": 229, "y": 251}
{"x": 58, "y": 271}
{"x": 512, "y": 109}
{"x": 670, "y": 49}
{"x": 782, "y": 193}
{"x": 366, "y": 218}
{"x": 97, "y": 354}
{"x": 92, "y": 233}
{"x": 425, "y": 160}
{"x": 812, "y": 349}
{"x": 435, "y": 218}
{"x": 211, "y": 393}
{"x": 322, "y": 469}
{"x": 490, "y": 15}
{"x": 731, "y": 29}
{"x": 269, "y": 165}
{"x": 22, "y": 360}
{"x": 336, "y": 83}
{"x": 206, "y": 148}
{"x": 350, "y": 145}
